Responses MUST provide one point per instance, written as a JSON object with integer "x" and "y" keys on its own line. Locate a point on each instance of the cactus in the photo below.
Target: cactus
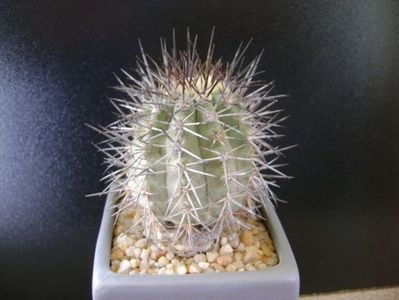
{"x": 190, "y": 151}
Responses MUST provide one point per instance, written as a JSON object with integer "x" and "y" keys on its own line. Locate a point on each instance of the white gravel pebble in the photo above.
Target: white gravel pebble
{"x": 181, "y": 269}
{"x": 124, "y": 240}
{"x": 226, "y": 250}
{"x": 123, "y": 266}
{"x": 143, "y": 265}
{"x": 175, "y": 261}
{"x": 211, "y": 256}
{"x": 262, "y": 266}
{"x": 200, "y": 258}
{"x": 194, "y": 269}
{"x": 136, "y": 252}
{"x": 141, "y": 243}
{"x": 144, "y": 253}
{"x": 203, "y": 265}
{"x": 154, "y": 249}
{"x": 250, "y": 267}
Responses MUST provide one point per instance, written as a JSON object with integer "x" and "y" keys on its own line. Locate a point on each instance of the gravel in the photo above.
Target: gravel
{"x": 249, "y": 250}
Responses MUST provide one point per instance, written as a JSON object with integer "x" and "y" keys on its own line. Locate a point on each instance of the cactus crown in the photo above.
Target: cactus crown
{"x": 190, "y": 151}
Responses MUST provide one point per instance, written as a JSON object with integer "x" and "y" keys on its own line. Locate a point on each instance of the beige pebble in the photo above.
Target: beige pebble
{"x": 118, "y": 230}
{"x": 153, "y": 255}
{"x": 114, "y": 268}
{"x": 272, "y": 261}
{"x": 117, "y": 254}
{"x": 241, "y": 247}
{"x": 266, "y": 238}
{"x": 136, "y": 252}
{"x": 238, "y": 256}
{"x": 134, "y": 263}
{"x": 169, "y": 272}
{"x": 169, "y": 266}
{"x": 162, "y": 271}
{"x": 163, "y": 261}
{"x": 175, "y": 261}
{"x": 179, "y": 247}
{"x": 143, "y": 264}
{"x": 134, "y": 272}
{"x": 266, "y": 250}
{"x": 250, "y": 267}
{"x": 252, "y": 221}
{"x": 226, "y": 250}
{"x": 239, "y": 264}
{"x": 115, "y": 262}
{"x": 181, "y": 269}
{"x": 211, "y": 256}
{"x": 224, "y": 260}
{"x": 144, "y": 253}
{"x": 130, "y": 251}
{"x": 223, "y": 241}
{"x": 203, "y": 265}
{"x": 250, "y": 256}
{"x": 247, "y": 238}
{"x": 154, "y": 249}
{"x": 262, "y": 266}
{"x": 124, "y": 241}
{"x": 231, "y": 268}
{"x": 218, "y": 268}
{"x": 141, "y": 243}
{"x": 194, "y": 269}
{"x": 261, "y": 229}
{"x": 200, "y": 258}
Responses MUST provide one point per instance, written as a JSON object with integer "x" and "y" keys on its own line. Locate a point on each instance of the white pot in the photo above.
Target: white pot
{"x": 280, "y": 282}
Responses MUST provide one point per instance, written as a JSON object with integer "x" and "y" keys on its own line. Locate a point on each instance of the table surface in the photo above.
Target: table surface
{"x": 337, "y": 60}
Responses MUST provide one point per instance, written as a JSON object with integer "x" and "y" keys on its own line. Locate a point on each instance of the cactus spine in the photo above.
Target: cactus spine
{"x": 190, "y": 151}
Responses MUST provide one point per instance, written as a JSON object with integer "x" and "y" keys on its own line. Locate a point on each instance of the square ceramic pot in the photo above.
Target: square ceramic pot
{"x": 280, "y": 282}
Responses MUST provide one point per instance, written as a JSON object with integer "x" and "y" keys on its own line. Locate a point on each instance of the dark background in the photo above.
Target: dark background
{"x": 338, "y": 61}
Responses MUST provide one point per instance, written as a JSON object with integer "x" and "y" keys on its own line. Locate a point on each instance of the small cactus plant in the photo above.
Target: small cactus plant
{"x": 190, "y": 151}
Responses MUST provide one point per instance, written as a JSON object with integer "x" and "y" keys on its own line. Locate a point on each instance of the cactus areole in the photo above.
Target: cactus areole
{"x": 190, "y": 151}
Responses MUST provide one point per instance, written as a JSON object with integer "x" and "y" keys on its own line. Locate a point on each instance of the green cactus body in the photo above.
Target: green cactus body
{"x": 189, "y": 149}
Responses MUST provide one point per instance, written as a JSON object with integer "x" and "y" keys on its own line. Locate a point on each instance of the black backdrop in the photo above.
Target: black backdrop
{"x": 338, "y": 61}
